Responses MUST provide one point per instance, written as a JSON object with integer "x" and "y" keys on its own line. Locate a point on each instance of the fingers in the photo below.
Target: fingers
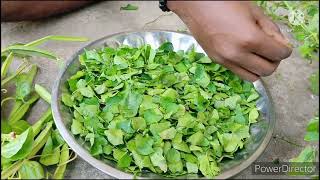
{"x": 256, "y": 64}
{"x": 271, "y": 43}
{"x": 267, "y": 47}
{"x": 266, "y": 24}
{"x": 241, "y": 72}
{"x": 271, "y": 29}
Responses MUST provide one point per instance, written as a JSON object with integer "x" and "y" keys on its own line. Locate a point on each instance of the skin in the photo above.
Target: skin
{"x": 236, "y": 34}
{"x": 35, "y": 10}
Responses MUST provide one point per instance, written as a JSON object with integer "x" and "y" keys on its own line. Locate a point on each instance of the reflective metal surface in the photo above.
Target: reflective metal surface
{"x": 260, "y": 132}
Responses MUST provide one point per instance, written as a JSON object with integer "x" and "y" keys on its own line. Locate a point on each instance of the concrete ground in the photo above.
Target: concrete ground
{"x": 293, "y": 101}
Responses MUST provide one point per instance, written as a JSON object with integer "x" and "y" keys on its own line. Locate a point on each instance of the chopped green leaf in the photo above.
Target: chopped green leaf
{"x": 129, "y": 7}
{"x": 115, "y": 136}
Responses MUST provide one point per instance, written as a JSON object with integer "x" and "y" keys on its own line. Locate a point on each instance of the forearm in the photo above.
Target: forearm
{"x": 32, "y": 10}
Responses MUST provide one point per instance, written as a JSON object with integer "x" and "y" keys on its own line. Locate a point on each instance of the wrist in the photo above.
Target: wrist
{"x": 172, "y": 5}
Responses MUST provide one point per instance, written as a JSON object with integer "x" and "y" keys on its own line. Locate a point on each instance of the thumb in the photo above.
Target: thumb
{"x": 268, "y": 26}
{"x": 271, "y": 29}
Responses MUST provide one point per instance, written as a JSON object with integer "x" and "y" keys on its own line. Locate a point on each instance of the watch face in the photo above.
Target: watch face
{"x": 163, "y": 5}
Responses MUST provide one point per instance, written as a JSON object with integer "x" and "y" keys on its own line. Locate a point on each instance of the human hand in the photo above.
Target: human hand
{"x": 236, "y": 34}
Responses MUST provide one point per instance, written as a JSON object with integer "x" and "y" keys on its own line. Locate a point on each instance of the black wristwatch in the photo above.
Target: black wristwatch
{"x": 163, "y": 5}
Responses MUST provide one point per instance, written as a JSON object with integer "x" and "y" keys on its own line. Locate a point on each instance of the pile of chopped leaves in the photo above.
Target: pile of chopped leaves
{"x": 168, "y": 112}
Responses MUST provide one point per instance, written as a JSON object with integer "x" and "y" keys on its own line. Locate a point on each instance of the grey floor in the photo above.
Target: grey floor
{"x": 293, "y": 101}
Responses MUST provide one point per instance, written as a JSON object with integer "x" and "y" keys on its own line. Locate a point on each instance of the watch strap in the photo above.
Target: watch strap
{"x": 163, "y": 5}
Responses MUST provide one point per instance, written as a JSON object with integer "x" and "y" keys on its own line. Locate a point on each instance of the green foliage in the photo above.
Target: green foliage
{"x": 312, "y": 130}
{"x": 31, "y": 170}
{"x": 23, "y": 142}
{"x": 159, "y": 110}
{"x": 20, "y": 147}
{"x": 308, "y": 154}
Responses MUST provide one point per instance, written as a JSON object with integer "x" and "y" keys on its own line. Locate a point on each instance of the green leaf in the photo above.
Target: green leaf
{"x": 120, "y": 62}
{"x": 312, "y": 130}
{"x": 100, "y": 89}
{"x": 98, "y": 146}
{"x": 57, "y": 138}
{"x": 174, "y": 161}
{"x": 181, "y": 146}
{"x": 50, "y": 155}
{"x": 308, "y": 154}
{"x": 168, "y": 133}
{"x": 29, "y": 51}
{"x": 107, "y": 149}
{"x": 131, "y": 104}
{"x": 205, "y": 59}
{"x": 124, "y": 161}
{"x": 144, "y": 145}
{"x": 129, "y": 7}
{"x": 208, "y": 169}
{"x": 86, "y": 91}
{"x": 76, "y": 127}
{"x": 158, "y": 159}
{"x": 166, "y": 47}
{"x": 115, "y": 136}
{"x": 20, "y": 126}
{"x": 31, "y": 170}
{"x": 125, "y": 125}
{"x": 217, "y": 148}
{"x": 20, "y": 147}
{"x": 24, "y": 83}
{"x": 152, "y": 116}
{"x": 311, "y": 136}
{"x": 186, "y": 120}
{"x": 67, "y": 100}
{"x": 5, "y": 127}
{"x": 6, "y": 64}
{"x": 152, "y": 54}
{"x": 201, "y": 77}
{"x": 253, "y": 115}
{"x": 230, "y": 142}
{"x": 156, "y": 128}
{"x": 142, "y": 161}
{"x": 192, "y": 167}
{"x": 138, "y": 123}
{"x": 88, "y": 110}
{"x": 56, "y": 38}
{"x": 232, "y": 101}
{"x": 252, "y": 97}
{"x": 196, "y": 138}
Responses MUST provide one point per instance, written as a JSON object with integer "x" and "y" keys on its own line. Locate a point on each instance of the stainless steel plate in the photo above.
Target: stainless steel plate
{"x": 261, "y": 132}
